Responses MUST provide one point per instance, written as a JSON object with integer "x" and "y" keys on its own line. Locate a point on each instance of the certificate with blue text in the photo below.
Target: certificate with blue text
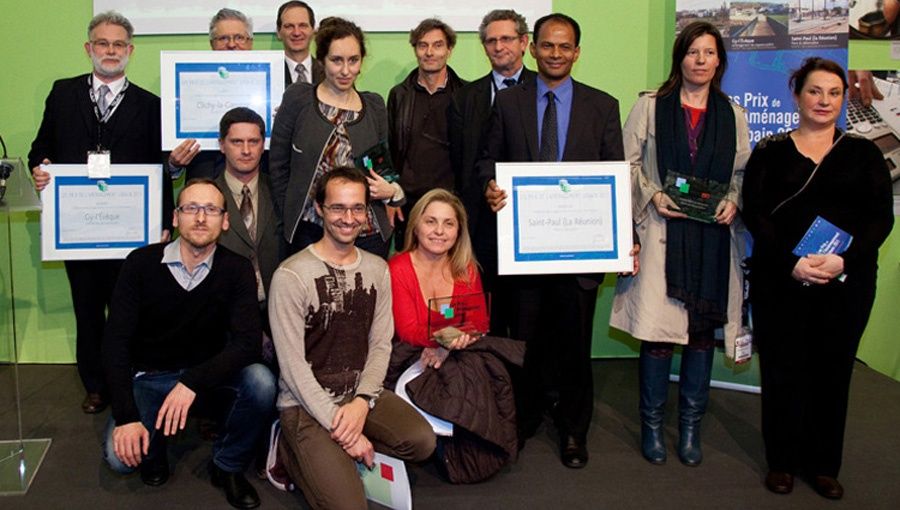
{"x": 86, "y": 219}
{"x": 198, "y": 87}
{"x": 564, "y": 218}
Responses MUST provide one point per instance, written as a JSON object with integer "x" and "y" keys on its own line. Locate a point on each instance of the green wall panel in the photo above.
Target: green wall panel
{"x": 625, "y": 49}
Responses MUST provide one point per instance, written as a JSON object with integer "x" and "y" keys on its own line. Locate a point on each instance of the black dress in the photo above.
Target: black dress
{"x": 807, "y": 336}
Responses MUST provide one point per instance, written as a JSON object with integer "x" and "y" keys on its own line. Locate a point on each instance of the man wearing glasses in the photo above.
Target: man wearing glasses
{"x": 330, "y": 311}
{"x": 183, "y": 330}
{"x": 103, "y": 114}
{"x": 229, "y": 30}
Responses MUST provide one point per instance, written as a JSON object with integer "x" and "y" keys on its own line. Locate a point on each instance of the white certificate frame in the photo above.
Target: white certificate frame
{"x": 236, "y": 69}
{"x": 610, "y": 179}
{"x": 143, "y": 182}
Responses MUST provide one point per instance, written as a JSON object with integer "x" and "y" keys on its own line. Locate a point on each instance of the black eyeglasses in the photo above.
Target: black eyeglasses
{"x": 194, "y": 209}
{"x": 340, "y": 210}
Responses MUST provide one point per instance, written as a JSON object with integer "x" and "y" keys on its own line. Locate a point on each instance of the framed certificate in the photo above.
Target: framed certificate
{"x": 565, "y": 218}
{"x": 86, "y": 218}
{"x": 198, "y": 87}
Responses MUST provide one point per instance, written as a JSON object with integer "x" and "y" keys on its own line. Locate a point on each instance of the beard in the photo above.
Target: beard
{"x": 108, "y": 71}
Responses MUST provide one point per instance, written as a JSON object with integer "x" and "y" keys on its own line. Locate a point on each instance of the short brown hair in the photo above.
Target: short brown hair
{"x": 798, "y": 77}
{"x": 429, "y": 24}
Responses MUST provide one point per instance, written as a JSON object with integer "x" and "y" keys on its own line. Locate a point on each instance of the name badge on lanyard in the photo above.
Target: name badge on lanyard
{"x": 99, "y": 161}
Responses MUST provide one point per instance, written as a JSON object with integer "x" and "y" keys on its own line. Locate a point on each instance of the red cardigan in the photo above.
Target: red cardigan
{"x": 411, "y": 309}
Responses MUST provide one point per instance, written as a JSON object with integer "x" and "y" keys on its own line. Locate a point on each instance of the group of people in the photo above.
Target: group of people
{"x": 277, "y": 298}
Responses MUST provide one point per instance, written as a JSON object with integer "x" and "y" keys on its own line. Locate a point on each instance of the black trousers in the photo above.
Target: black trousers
{"x": 554, "y": 315}
{"x": 807, "y": 339}
{"x": 92, "y": 283}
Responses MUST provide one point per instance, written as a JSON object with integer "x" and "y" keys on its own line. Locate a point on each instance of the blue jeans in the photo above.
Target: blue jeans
{"x": 247, "y": 415}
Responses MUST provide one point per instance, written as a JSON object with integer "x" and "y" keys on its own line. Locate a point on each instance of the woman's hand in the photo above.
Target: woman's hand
{"x": 725, "y": 212}
{"x": 462, "y": 341}
{"x": 379, "y": 189}
{"x": 434, "y": 356}
{"x": 818, "y": 269}
{"x": 666, "y": 207}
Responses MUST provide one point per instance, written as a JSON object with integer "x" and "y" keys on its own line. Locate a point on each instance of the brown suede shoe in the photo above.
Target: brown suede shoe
{"x": 828, "y": 487}
{"x": 780, "y": 482}
{"x": 93, "y": 403}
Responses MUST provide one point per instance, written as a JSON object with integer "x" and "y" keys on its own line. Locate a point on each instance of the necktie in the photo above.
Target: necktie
{"x": 509, "y": 82}
{"x": 247, "y": 212}
{"x": 301, "y": 74}
{"x": 549, "y": 142}
{"x": 102, "y": 101}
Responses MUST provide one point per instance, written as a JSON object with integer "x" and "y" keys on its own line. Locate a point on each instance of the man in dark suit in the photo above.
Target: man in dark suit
{"x": 104, "y": 111}
{"x": 229, "y": 30}
{"x": 295, "y": 28}
{"x": 554, "y": 119}
{"x": 253, "y": 226}
{"x": 504, "y": 35}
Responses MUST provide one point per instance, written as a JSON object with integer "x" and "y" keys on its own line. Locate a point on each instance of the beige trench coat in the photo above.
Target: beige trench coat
{"x": 641, "y": 307}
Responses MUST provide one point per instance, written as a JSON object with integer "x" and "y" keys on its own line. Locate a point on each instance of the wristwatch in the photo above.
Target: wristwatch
{"x": 369, "y": 400}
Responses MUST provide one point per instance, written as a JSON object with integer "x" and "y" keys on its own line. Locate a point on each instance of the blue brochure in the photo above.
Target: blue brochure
{"x": 823, "y": 238}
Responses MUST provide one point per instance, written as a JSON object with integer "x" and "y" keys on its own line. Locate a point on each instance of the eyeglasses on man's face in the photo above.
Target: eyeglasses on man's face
{"x": 340, "y": 209}
{"x": 222, "y": 40}
{"x": 101, "y": 45}
{"x": 193, "y": 209}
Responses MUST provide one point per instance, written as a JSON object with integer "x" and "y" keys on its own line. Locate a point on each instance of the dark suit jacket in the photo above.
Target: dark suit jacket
{"x": 318, "y": 73}
{"x": 69, "y": 130}
{"x": 594, "y": 133}
{"x": 267, "y": 248}
{"x": 299, "y": 134}
{"x": 469, "y": 118}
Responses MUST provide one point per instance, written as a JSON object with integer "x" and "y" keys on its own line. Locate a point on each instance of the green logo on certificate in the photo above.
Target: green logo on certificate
{"x": 223, "y": 73}
{"x": 102, "y": 186}
{"x": 564, "y": 186}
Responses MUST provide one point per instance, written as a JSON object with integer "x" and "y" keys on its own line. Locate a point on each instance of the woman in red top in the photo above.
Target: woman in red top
{"x": 437, "y": 262}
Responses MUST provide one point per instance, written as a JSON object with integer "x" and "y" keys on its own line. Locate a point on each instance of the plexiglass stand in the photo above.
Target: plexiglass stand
{"x": 19, "y": 458}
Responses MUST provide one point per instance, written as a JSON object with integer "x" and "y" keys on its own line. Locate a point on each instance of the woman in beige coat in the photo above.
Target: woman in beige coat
{"x": 690, "y": 282}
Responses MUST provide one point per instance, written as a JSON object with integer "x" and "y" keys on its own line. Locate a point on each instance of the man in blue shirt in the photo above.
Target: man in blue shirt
{"x": 553, "y": 119}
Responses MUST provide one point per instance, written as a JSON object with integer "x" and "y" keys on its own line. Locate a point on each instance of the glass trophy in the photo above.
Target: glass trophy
{"x": 452, "y": 316}
{"x": 698, "y": 198}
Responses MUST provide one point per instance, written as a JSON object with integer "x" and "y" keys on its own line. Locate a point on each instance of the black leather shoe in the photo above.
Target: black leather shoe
{"x": 93, "y": 403}
{"x": 238, "y": 491}
{"x": 828, "y": 487}
{"x": 780, "y": 482}
{"x": 573, "y": 452}
{"x": 155, "y": 472}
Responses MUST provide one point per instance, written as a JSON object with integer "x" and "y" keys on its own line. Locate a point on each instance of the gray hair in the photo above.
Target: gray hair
{"x": 503, "y": 15}
{"x": 226, "y": 13}
{"x": 113, "y": 18}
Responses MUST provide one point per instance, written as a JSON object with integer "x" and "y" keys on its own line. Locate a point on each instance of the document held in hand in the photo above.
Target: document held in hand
{"x": 823, "y": 238}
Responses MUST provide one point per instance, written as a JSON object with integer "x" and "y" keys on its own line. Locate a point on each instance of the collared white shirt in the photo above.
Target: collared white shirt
{"x": 114, "y": 88}
{"x": 292, "y": 67}
{"x": 498, "y": 81}
{"x": 187, "y": 280}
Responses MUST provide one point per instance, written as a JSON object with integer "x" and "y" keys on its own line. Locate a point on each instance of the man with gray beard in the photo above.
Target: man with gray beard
{"x": 99, "y": 112}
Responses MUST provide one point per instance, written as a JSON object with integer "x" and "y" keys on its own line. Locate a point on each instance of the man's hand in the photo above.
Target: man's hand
{"x": 362, "y": 451}
{"x": 666, "y": 207}
{"x": 182, "y": 155}
{"x": 130, "y": 442}
{"x": 174, "y": 411}
{"x": 725, "y": 212}
{"x": 496, "y": 197}
{"x": 348, "y": 422}
{"x": 41, "y": 177}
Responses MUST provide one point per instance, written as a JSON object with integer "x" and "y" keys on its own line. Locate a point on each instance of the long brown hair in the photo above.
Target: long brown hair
{"x": 460, "y": 255}
{"x": 679, "y": 51}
